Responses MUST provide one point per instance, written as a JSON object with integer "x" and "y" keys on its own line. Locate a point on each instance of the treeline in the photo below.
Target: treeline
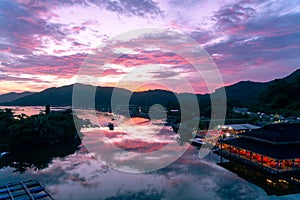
{"x": 19, "y": 131}
{"x": 281, "y": 97}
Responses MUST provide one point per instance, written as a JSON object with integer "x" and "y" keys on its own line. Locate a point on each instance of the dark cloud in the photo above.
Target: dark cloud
{"x": 201, "y": 37}
{"x": 23, "y": 28}
{"x": 233, "y": 17}
{"x": 164, "y": 74}
{"x": 150, "y": 57}
{"x": 274, "y": 25}
{"x": 185, "y": 3}
{"x": 254, "y": 39}
{"x": 142, "y": 8}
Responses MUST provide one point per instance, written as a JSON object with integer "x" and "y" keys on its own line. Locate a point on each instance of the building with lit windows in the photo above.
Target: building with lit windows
{"x": 273, "y": 149}
{"x": 275, "y": 146}
{"x": 233, "y": 129}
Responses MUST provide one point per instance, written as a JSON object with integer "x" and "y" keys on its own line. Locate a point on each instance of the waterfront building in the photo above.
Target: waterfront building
{"x": 233, "y": 129}
{"x": 273, "y": 150}
{"x": 275, "y": 146}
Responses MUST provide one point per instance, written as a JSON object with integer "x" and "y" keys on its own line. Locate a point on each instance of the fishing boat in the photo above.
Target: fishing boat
{"x": 111, "y": 126}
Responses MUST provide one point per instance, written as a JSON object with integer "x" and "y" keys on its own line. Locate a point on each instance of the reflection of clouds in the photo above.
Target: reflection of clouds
{"x": 66, "y": 175}
{"x": 135, "y": 145}
{"x": 152, "y": 194}
{"x": 140, "y": 145}
{"x": 190, "y": 177}
{"x": 113, "y": 134}
{"x": 225, "y": 190}
{"x": 81, "y": 176}
{"x": 126, "y": 151}
{"x": 71, "y": 169}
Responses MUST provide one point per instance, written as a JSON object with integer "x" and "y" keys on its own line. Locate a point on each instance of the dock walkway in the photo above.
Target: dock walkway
{"x": 24, "y": 190}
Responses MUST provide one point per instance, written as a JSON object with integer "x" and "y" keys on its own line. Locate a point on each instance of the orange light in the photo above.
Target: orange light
{"x": 152, "y": 86}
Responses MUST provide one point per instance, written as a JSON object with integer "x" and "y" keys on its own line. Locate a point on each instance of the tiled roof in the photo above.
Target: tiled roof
{"x": 280, "y": 152}
{"x": 276, "y": 133}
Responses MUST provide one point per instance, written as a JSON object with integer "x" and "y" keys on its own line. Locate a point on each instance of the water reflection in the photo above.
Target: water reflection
{"x": 32, "y": 110}
{"x": 135, "y": 145}
{"x": 36, "y": 158}
{"x": 272, "y": 184}
{"x": 80, "y": 175}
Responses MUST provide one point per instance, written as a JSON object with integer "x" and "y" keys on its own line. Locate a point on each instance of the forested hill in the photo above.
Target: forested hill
{"x": 282, "y": 96}
{"x": 274, "y": 95}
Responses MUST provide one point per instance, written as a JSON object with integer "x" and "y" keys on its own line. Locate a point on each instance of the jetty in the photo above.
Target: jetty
{"x": 25, "y": 190}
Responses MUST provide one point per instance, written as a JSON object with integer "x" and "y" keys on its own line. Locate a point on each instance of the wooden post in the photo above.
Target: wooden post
{"x": 47, "y": 109}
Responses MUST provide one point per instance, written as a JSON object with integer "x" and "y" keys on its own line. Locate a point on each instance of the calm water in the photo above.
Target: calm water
{"x": 81, "y": 176}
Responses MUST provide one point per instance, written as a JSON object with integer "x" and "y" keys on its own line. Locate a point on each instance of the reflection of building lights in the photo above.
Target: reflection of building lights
{"x": 230, "y": 128}
{"x": 269, "y": 181}
{"x": 227, "y": 134}
{"x": 283, "y": 181}
{"x": 295, "y": 179}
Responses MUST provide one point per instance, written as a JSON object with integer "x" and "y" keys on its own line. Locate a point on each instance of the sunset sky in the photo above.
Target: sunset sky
{"x": 43, "y": 43}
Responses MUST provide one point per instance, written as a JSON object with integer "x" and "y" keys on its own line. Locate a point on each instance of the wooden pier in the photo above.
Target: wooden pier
{"x": 24, "y": 190}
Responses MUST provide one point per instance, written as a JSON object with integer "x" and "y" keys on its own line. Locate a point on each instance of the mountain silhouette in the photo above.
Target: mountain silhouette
{"x": 245, "y": 92}
{"x": 13, "y": 96}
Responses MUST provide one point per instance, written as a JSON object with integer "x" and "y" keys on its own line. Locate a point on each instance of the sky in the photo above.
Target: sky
{"x": 45, "y": 43}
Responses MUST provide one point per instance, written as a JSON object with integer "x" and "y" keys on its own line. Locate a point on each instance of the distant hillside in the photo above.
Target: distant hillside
{"x": 62, "y": 96}
{"x": 161, "y": 97}
{"x": 244, "y": 93}
{"x": 282, "y": 96}
{"x": 248, "y": 92}
{"x": 13, "y": 96}
{"x": 292, "y": 76}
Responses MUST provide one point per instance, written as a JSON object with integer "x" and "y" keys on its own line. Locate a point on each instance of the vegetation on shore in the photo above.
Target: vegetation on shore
{"x": 21, "y": 131}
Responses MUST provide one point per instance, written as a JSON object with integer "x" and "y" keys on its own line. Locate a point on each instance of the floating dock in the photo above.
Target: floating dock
{"x": 24, "y": 190}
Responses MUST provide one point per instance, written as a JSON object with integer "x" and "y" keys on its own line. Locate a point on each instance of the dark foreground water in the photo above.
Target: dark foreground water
{"x": 81, "y": 176}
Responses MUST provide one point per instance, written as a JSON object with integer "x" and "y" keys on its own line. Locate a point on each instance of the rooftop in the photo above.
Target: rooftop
{"x": 280, "y": 152}
{"x": 276, "y": 134}
{"x": 279, "y": 141}
{"x": 238, "y": 127}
